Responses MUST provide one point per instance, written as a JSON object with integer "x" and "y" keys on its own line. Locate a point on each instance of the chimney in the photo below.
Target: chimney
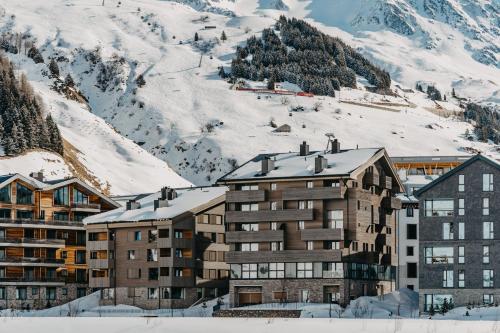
{"x": 168, "y": 193}
{"x": 159, "y": 203}
{"x": 37, "y": 175}
{"x": 320, "y": 163}
{"x": 132, "y": 204}
{"x": 335, "y": 147}
{"x": 267, "y": 165}
{"x": 304, "y": 149}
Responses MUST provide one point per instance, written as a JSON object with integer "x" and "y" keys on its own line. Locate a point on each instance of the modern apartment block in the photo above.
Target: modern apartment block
{"x": 42, "y": 239}
{"x": 312, "y": 226}
{"x": 415, "y": 172}
{"x": 459, "y": 238}
{"x": 162, "y": 250}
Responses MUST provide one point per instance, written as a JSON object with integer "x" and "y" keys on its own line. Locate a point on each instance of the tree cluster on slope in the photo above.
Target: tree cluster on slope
{"x": 303, "y": 55}
{"x": 487, "y": 121}
{"x": 22, "y": 122}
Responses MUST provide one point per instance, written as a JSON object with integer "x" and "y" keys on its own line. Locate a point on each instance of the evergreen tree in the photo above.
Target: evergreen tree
{"x": 35, "y": 54}
{"x": 53, "y": 68}
{"x": 196, "y": 37}
{"x": 453, "y": 93}
{"x": 223, "y": 36}
{"x": 56, "y": 144}
{"x": 68, "y": 81}
{"x": 140, "y": 81}
{"x": 222, "y": 73}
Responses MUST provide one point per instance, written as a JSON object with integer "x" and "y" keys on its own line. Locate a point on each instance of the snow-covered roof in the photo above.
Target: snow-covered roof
{"x": 188, "y": 199}
{"x": 293, "y": 165}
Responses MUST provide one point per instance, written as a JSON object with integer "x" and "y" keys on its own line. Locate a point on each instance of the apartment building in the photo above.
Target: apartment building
{"x": 42, "y": 239}
{"x": 312, "y": 226}
{"x": 415, "y": 172}
{"x": 459, "y": 242}
{"x": 161, "y": 250}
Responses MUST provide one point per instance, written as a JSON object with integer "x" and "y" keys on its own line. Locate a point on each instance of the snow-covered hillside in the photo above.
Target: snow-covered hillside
{"x": 186, "y": 115}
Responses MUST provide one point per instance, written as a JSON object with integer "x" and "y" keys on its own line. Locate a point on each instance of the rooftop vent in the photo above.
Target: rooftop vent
{"x": 304, "y": 149}
{"x": 168, "y": 193}
{"x": 132, "y": 204}
{"x": 267, "y": 165}
{"x": 37, "y": 175}
{"x": 159, "y": 203}
{"x": 320, "y": 163}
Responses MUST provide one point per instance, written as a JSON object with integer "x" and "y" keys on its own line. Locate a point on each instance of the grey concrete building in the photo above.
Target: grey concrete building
{"x": 312, "y": 226}
{"x": 459, "y": 248}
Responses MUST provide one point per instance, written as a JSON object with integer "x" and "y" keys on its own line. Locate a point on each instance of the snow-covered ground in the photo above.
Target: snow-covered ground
{"x": 169, "y": 115}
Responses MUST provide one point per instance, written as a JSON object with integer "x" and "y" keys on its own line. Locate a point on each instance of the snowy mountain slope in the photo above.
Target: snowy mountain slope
{"x": 186, "y": 115}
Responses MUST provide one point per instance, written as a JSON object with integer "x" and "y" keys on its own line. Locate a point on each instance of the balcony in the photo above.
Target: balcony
{"x": 237, "y": 257}
{"x": 99, "y": 263}
{"x": 177, "y": 281}
{"x": 386, "y": 182}
{"x": 31, "y": 261}
{"x": 269, "y": 216}
{"x": 86, "y": 207}
{"x": 100, "y": 282}
{"x": 178, "y": 243}
{"x": 246, "y": 196}
{"x": 371, "y": 178}
{"x": 322, "y": 234}
{"x": 100, "y": 245}
{"x": 32, "y": 280}
{"x": 176, "y": 262}
{"x": 316, "y": 193}
{"x": 391, "y": 203}
{"x": 255, "y": 236}
{"x": 43, "y": 223}
{"x": 32, "y": 242}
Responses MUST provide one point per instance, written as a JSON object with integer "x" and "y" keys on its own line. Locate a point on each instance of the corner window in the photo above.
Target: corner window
{"x": 5, "y": 194}
{"x": 61, "y": 196}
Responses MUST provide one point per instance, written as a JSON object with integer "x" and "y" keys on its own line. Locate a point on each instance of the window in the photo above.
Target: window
{"x": 447, "y": 279}
{"x": 80, "y": 197}
{"x": 179, "y": 235}
{"x": 3, "y": 294}
{"x": 61, "y": 216}
{"x": 152, "y": 255}
{"x": 302, "y": 205}
{"x": 152, "y": 293}
{"x": 411, "y": 231}
{"x": 409, "y": 211}
{"x": 5, "y": 194}
{"x": 249, "y": 187}
{"x": 447, "y": 231}
{"x": 411, "y": 270}
{"x": 488, "y": 299}
{"x": 276, "y": 246}
{"x": 461, "y": 255}
{"x": 438, "y": 255}
{"x": 333, "y": 270}
{"x": 274, "y": 205}
{"x": 273, "y": 187}
{"x": 4, "y": 213}
{"x": 487, "y": 278}
{"x": 153, "y": 273}
{"x": 435, "y": 300}
{"x": 165, "y": 252}
{"x": 24, "y": 214}
{"x": 439, "y": 207}
{"x": 410, "y": 251}
{"x": 310, "y": 204}
{"x": 131, "y": 254}
{"x": 355, "y": 246}
{"x": 461, "y": 207}
{"x": 21, "y": 293}
{"x": 276, "y": 270}
{"x": 487, "y": 182}
{"x": 93, "y": 254}
{"x": 335, "y": 219}
{"x": 61, "y": 196}
{"x": 274, "y": 226}
{"x": 310, "y": 245}
{"x": 249, "y": 271}
{"x": 137, "y": 235}
{"x": 24, "y": 195}
{"x": 249, "y": 227}
{"x": 461, "y": 279}
{"x": 486, "y": 206}
{"x": 310, "y": 184}
{"x": 487, "y": 230}
{"x": 461, "y": 230}
{"x": 251, "y": 247}
{"x": 249, "y": 207}
{"x": 164, "y": 233}
{"x": 486, "y": 254}
{"x": 332, "y": 245}
{"x": 300, "y": 225}
{"x": 152, "y": 235}
{"x": 461, "y": 183}
{"x": 304, "y": 270}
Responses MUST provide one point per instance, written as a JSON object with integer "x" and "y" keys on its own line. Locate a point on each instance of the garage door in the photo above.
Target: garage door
{"x": 249, "y": 298}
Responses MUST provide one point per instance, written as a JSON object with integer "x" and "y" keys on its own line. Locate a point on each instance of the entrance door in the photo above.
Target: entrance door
{"x": 249, "y": 298}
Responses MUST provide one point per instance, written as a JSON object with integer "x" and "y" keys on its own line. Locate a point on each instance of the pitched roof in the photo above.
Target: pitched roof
{"x": 7, "y": 179}
{"x": 188, "y": 199}
{"x": 453, "y": 171}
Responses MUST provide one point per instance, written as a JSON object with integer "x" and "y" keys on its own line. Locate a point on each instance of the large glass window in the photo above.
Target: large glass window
{"x": 487, "y": 182}
{"x": 333, "y": 270}
{"x": 276, "y": 270}
{"x": 436, "y": 301}
{"x": 4, "y": 213}
{"x": 24, "y": 196}
{"x": 488, "y": 230}
{"x": 249, "y": 271}
{"x": 304, "y": 270}
{"x": 61, "y": 196}
{"x": 487, "y": 278}
{"x": 439, "y": 207}
{"x": 336, "y": 219}
{"x": 439, "y": 255}
{"x": 247, "y": 207}
{"x": 80, "y": 197}
{"x": 447, "y": 231}
{"x": 249, "y": 227}
{"x": 24, "y": 214}
{"x": 448, "y": 279}
{"x": 5, "y": 194}
{"x": 61, "y": 216}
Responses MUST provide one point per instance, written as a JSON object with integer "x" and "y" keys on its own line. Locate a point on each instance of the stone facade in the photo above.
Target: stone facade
{"x": 36, "y": 296}
{"x": 139, "y": 297}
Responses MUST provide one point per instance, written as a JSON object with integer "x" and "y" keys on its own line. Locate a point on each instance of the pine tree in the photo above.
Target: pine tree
{"x": 196, "y": 37}
{"x": 222, "y": 73}
{"x": 223, "y": 36}
{"x": 56, "y": 144}
{"x": 68, "y": 81}
{"x": 35, "y": 54}
{"x": 53, "y": 68}
{"x": 140, "y": 81}
{"x": 453, "y": 93}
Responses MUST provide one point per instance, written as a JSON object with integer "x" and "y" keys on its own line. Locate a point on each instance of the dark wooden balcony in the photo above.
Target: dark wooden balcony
{"x": 76, "y": 224}
{"x": 391, "y": 203}
{"x": 24, "y": 240}
{"x": 269, "y": 216}
{"x": 246, "y": 196}
{"x": 316, "y": 193}
{"x": 386, "y": 182}
{"x": 322, "y": 234}
{"x": 35, "y": 261}
{"x": 93, "y": 207}
{"x": 254, "y": 236}
{"x": 371, "y": 178}
{"x": 241, "y": 257}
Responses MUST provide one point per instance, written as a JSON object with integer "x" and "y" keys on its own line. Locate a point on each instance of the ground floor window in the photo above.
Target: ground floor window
{"x": 50, "y": 293}
{"x": 3, "y": 293}
{"x": 21, "y": 293}
{"x": 173, "y": 293}
{"x": 108, "y": 294}
{"x": 152, "y": 293}
{"x": 436, "y": 301}
{"x": 488, "y": 299}
{"x": 81, "y": 292}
